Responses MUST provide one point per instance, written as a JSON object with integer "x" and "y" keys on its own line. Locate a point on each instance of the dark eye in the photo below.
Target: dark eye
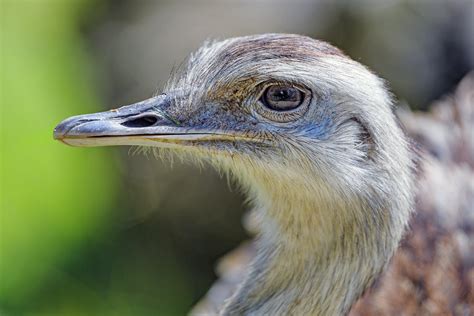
{"x": 282, "y": 98}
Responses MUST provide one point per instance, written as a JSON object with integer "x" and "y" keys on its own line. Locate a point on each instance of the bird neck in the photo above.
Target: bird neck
{"x": 316, "y": 254}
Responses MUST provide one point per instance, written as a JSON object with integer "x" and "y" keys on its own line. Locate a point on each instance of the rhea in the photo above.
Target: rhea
{"x": 311, "y": 137}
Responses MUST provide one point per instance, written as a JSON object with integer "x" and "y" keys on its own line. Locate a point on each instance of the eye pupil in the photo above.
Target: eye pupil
{"x": 282, "y": 98}
{"x": 283, "y": 94}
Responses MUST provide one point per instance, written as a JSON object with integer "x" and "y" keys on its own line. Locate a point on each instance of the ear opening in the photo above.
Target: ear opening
{"x": 367, "y": 143}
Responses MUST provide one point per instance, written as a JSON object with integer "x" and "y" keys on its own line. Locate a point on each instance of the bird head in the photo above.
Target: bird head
{"x": 267, "y": 107}
{"x": 311, "y": 134}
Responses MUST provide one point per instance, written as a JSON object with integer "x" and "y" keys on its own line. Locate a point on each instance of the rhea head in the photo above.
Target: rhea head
{"x": 310, "y": 134}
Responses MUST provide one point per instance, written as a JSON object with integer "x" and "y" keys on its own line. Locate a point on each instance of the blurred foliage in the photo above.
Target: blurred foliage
{"x": 54, "y": 199}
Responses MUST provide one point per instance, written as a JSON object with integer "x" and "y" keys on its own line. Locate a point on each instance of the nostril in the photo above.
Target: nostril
{"x": 143, "y": 121}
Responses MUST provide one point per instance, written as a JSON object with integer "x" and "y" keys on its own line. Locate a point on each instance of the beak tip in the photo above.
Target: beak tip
{"x": 60, "y": 131}
{"x": 67, "y": 127}
{"x": 56, "y": 134}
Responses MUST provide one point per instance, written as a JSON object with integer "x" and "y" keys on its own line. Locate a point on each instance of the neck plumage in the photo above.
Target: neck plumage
{"x": 316, "y": 255}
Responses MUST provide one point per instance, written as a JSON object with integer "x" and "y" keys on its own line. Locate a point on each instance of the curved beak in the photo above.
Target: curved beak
{"x": 144, "y": 123}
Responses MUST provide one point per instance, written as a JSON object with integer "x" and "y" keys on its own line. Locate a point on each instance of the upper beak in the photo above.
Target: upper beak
{"x": 135, "y": 124}
{"x": 144, "y": 123}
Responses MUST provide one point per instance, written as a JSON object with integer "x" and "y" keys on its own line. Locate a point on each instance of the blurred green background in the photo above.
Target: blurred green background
{"x": 105, "y": 232}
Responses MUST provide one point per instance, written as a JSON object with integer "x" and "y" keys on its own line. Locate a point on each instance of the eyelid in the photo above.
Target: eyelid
{"x": 263, "y": 87}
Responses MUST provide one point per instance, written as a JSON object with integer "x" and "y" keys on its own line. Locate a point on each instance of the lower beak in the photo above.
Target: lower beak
{"x": 144, "y": 123}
